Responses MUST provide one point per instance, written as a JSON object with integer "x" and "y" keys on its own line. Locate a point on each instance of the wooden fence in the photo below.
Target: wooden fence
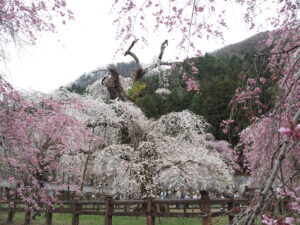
{"x": 204, "y": 208}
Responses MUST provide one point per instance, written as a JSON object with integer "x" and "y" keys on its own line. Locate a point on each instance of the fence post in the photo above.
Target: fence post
{"x": 230, "y": 208}
{"x": 11, "y": 210}
{"x": 149, "y": 212}
{"x": 48, "y": 215}
{"x": 205, "y": 207}
{"x": 108, "y": 210}
{"x": 27, "y": 217}
{"x": 97, "y": 207}
{"x": 75, "y": 214}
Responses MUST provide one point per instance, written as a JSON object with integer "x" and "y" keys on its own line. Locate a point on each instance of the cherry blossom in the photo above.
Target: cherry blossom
{"x": 23, "y": 20}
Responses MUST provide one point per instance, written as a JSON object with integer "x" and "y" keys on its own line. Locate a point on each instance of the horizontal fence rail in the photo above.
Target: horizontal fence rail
{"x": 149, "y": 208}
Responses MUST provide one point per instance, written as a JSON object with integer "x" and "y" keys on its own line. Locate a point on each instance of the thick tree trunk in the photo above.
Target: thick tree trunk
{"x": 114, "y": 86}
{"x": 84, "y": 172}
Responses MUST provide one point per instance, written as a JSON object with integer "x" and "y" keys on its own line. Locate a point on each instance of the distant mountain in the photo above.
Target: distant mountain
{"x": 241, "y": 48}
{"x": 79, "y": 85}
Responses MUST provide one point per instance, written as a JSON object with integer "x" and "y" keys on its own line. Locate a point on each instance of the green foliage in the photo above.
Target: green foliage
{"x": 136, "y": 90}
{"x": 213, "y": 103}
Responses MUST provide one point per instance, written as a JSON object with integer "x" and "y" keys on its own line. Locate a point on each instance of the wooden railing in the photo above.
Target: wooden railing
{"x": 204, "y": 208}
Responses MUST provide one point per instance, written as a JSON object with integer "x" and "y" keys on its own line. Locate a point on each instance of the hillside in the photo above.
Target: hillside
{"x": 241, "y": 48}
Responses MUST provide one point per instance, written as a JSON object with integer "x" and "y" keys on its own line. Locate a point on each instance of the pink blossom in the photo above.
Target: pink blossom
{"x": 225, "y": 130}
{"x": 195, "y": 69}
{"x": 266, "y": 219}
{"x": 289, "y": 220}
{"x": 262, "y": 80}
{"x": 192, "y": 85}
{"x": 280, "y": 193}
{"x": 251, "y": 81}
{"x": 297, "y": 131}
{"x": 286, "y": 131}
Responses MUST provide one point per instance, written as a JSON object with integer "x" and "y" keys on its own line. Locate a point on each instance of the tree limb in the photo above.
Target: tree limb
{"x": 162, "y": 49}
{"x": 128, "y": 52}
{"x": 140, "y": 72}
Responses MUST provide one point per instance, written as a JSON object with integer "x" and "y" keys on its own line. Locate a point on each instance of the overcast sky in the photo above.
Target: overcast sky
{"x": 85, "y": 44}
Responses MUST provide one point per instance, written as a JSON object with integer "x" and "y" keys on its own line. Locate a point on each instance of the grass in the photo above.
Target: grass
{"x": 65, "y": 219}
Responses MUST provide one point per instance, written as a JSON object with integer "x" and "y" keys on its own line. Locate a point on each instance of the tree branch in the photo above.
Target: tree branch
{"x": 128, "y": 52}
{"x": 159, "y": 62}
{"x": 140, "y": 72}
{"x": 162, "y": 49}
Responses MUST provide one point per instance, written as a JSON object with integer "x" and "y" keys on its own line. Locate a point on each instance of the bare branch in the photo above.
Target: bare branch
{"x": 159, "y": 62}
{"x": 128, "y": 52}
{"x": 140, "y": 72}
{"x": 162, "y": 49}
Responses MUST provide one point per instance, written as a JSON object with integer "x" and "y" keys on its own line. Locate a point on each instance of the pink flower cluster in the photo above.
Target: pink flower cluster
{"x": 28, "y": 17}
{"x": 268, "y": 220}
{"x": 292, "y": 131}
{"x": 191, "y": 83}
{"x": 226, "y": 125}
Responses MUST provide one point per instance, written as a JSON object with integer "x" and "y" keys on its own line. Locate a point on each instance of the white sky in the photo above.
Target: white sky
{"x": 85, "y": 44}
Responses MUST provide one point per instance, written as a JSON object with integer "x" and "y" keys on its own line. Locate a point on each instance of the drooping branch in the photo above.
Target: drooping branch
{"x": 136, "y": 59}
{"x": 281, "y": 156}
